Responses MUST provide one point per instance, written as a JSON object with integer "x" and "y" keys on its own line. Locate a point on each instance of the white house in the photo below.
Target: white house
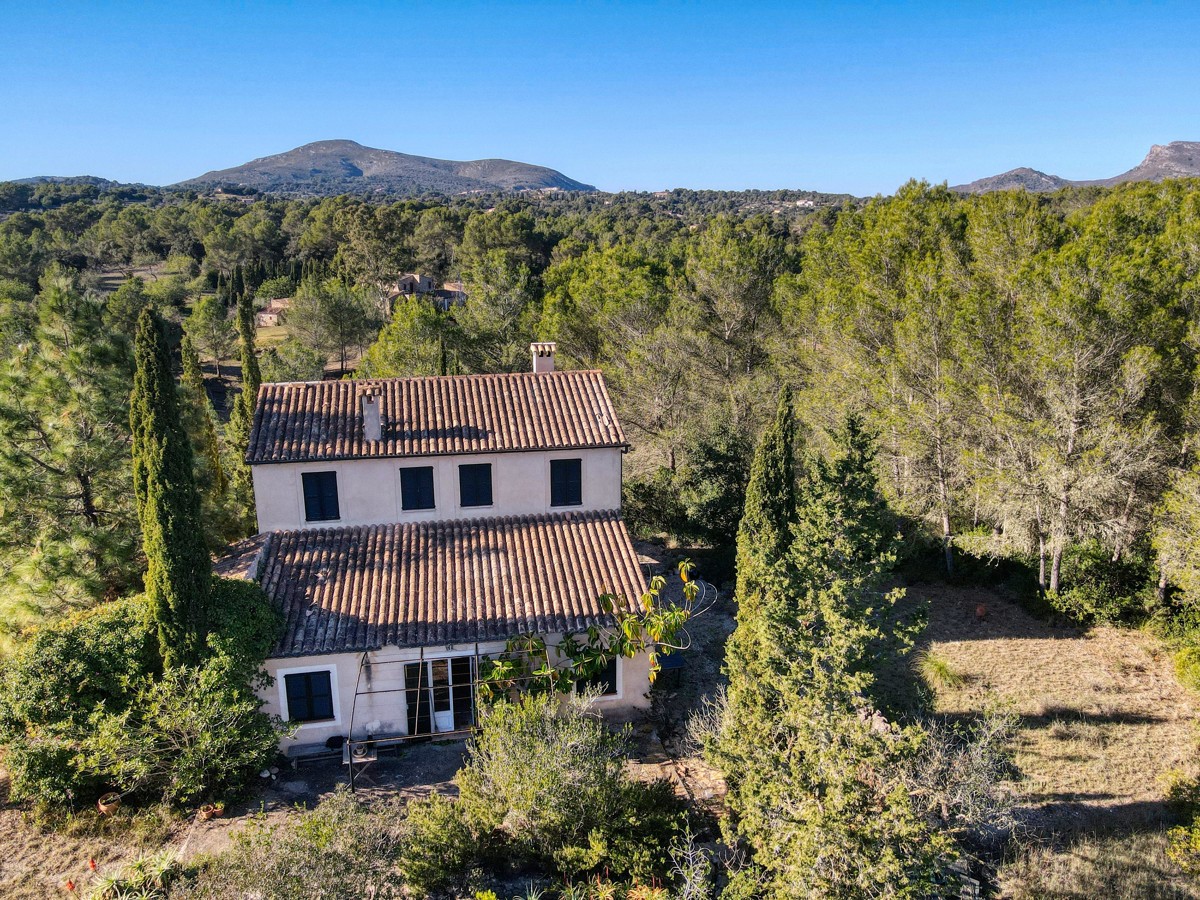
{"x": 410, "y": 527}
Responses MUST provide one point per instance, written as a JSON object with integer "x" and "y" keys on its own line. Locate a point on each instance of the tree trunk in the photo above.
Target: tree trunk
{"x": 1160, "y": 592}
{"x": 1042, "y": 562}
{"x": 1056, "y": 566}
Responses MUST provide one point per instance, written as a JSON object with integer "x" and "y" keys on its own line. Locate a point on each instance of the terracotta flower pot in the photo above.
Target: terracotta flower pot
{"x": 207, "y": 811}
{"x": 109, "y": 803}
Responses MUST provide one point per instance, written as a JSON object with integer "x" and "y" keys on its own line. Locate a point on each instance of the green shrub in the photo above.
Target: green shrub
{"x": 546, "y": 779}
{"x": 83, "y": 707}
{"x": 52, "y": 684}
{"x": 337, "y": 851}
{"x": 937, "y": 672}
{"x": 1097, "y": 589}
{"x": 147, "y": 878}
{"x": 191, "y": 734}
{"x": 437, "y": 848}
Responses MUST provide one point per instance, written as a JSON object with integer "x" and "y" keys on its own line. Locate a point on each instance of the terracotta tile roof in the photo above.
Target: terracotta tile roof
{"x": 451, "y": 582}
{"x": 322, "y": 420}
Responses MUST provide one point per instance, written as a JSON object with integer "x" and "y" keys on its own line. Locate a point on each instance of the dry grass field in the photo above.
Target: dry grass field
{"x": 1102, "y": 722}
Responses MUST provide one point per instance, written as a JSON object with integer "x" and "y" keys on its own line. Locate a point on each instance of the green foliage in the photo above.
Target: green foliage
{"x": 83, "y": 704}
{"x": 67, "y": 520}
{"x": 936, "y": 671}
{"x": 437, "y": 849}
{"x": 1100, "y": 589}
{"x": 332, "y": 317}
{"x": 275, "y": 289}
{"x": 338, "y": 851}
{"x": 1183, "y": 848}
{"x": 147, "y": 878}
{"x": 194, "y": 733}
{"x": 416, "y": 341}
{"x": 1187, "y": 667}
{"x": 245, "y": 623}
{"x": 292, "y": 361}
{"x": 546, "y": 780}
{"x": 819, "y": 795}
{"x": 655, "y": 630}
{"x": 51, "y": 684}
{"x": 177, "y": 563}
{"x": 211, "y": 330}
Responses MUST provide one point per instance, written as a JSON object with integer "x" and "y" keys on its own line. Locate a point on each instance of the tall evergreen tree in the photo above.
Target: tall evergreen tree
{"x": 178, "y": 569}
{"x": 815, "y": 774}
{"x": 67, "y": 523}
{"x": 204, "y": 427}
{"x": 241, "y": 417}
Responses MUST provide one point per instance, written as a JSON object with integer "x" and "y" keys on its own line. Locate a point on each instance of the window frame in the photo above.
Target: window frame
{"x": 432, "y": 488}
{"x": 618, "y": 691}
{"x": 337, "y": 495}
{"x": 285, "y": 709}
{"x": 578, "y": 460}
{"x": 462, "y": 504}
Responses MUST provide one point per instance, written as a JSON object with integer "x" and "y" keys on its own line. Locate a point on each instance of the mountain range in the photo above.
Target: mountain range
{"x": 1178, "y": 159}
{"x": 327, "y": 168}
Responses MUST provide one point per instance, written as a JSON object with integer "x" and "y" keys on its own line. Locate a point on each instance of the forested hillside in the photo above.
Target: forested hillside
{"x": 976, "y": 389}
{"x": 1027, "y": 363}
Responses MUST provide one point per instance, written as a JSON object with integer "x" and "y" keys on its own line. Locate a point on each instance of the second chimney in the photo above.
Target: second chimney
{"x": 372, "y": 423}
{"x": 543, "y": 356}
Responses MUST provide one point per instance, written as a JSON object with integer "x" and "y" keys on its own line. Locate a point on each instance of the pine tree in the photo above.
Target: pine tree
{"x": 67, "y": 522}
{"x": 178, "y": 569}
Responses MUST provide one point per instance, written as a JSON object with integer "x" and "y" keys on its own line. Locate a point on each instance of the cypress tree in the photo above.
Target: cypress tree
{"x": 770, "y": 505}
{"x": 241, "y": 418}
{"x": 204, "y": 428}
{"x": 754, "y": 661}
{"x": 178, "y": 569}
{"x": 814, "y": 772}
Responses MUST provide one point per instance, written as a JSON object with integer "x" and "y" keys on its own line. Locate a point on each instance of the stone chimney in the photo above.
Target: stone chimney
{"x": 372, "y": 421}
{"x": 543, "y": 356}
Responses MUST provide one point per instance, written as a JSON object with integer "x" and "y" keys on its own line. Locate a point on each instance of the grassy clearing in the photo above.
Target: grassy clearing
{"x": 1116, "y": 867}
{"x": 1103, "y": 724}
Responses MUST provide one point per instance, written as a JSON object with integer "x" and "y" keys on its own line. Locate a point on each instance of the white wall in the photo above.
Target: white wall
{"x": 385, "y": 675}
{"x": 369, "y": 489}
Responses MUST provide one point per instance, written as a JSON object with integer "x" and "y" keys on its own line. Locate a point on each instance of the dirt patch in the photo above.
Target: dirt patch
{"x": 1102, "y": 717}
{"x": 36, "y": 864}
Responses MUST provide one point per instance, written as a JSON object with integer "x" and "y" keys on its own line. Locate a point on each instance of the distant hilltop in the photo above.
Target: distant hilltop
{"x": 1178, "y": 159}
{"x": 327, "y": 168}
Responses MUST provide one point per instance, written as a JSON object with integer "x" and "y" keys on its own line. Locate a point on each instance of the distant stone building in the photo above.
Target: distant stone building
{"x": 272, "y": 314}
{"x": 411, "y": 283}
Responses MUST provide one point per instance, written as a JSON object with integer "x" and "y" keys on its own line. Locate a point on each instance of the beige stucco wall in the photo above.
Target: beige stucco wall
{"x": 385, "y": 676}
{"x": 369, "y": 489}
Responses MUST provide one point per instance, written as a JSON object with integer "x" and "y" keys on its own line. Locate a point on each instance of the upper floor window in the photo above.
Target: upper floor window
{"x": 320, "y": 496}
{"x": 309, "y": 696}
{"x": 416, "y": 487}
{"x": 475, "y": 484}
{"x": 566, "y": 482}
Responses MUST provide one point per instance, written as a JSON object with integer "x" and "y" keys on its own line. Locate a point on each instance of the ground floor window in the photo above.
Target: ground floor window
{"x": 309, "y": 696}
{"x": 604, "y": 681}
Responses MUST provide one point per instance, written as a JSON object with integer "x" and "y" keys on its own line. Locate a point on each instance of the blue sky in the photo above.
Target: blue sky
{"x": 642, "y": 96}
